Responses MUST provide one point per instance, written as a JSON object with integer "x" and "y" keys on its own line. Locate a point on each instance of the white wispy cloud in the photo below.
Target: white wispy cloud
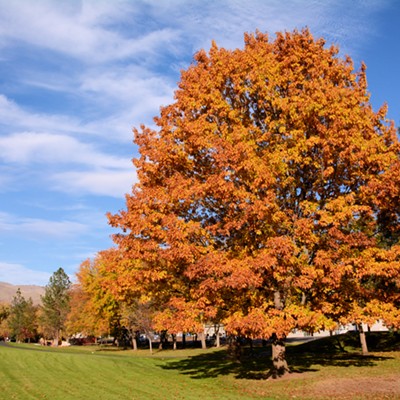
{"x": 17, "y": 274}
{"x": 84, "y": 30}
{"x": 101, "y": 31}
{"x": 32, "y": 147}
{"x": 15, "y": 117}
{"x": 73, "y": 166}
{"x": 133, "y": 93}
{"x": 226, "y": 20}
{"x": 38, "y": 228}
{"x": 112, "y": 120}
{"x": 98, "y": 182}
{"x": 128, "y": 84}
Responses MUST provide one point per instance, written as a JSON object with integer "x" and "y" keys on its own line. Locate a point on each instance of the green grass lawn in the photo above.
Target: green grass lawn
{"x": 322, "y": 369}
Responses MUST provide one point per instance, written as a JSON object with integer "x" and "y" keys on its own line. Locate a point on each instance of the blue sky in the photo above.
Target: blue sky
{"x": 77, "y": 75}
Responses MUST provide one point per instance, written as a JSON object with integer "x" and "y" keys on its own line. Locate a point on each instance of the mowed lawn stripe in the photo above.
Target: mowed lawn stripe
{"x": 30, "y": 374}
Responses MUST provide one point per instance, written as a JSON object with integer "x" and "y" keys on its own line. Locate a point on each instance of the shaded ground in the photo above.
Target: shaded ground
{"x": 331, "y": 368}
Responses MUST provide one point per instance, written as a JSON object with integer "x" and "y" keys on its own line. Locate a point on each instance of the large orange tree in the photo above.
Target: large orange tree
{"x": 255, "y": 202}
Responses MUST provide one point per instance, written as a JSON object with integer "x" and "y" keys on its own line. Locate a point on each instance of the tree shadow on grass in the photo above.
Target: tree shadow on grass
{"x": 255, "y": 364}
{"x": 308, "y": 362}
{"x": 217, "y": 363}
{"x": 342, "y": 351}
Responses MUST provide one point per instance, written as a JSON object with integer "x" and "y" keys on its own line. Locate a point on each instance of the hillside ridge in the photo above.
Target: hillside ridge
{"x": 8, "y": 291}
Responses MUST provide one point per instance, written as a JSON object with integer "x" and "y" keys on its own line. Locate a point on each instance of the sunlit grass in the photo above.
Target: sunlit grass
{"x": 77, "y": 373}
{"x": 95, "y": 372}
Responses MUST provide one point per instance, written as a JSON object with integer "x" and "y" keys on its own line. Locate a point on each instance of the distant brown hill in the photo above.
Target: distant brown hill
{"x": 8, "y": 291}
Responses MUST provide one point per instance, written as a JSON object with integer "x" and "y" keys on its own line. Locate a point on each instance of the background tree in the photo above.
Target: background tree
{"x": 101, "y": 289}
{"x": 22, "y": 322}
{"x": 84, "y": 317}
{"x": 4, "y": 311}
{"x": 4, "y": 314}
{"x": 55, "y": 305}
{"x": 179, "y": 316}
{"x": 112, "y": 283}
{"x": 252, "y": 193}
{"x": 137, "y": 317}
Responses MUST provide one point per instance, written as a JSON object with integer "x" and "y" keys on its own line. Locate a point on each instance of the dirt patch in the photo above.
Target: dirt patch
{"x": 387, "y": 387}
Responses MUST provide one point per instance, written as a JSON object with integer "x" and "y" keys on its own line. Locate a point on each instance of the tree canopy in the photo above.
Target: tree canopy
{"x": 260, "y": 194}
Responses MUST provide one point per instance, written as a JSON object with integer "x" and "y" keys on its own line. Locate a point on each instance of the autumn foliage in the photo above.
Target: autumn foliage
{"x": 261, "y": 195}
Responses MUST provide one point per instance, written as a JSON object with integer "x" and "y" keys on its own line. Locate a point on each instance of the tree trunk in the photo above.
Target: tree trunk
{"x": 166, "y": 340}
{"x": 134, "y": 342}
{"x": 173, "y": 341}
{"x": 163, "y": 340}
{"x": 56, "y": 339}
{"x": 363, "y": 340}
{"x": 235, "y": 348}
{"x": 173, "y": 338}
{"x": 203, "y": 340}
{"x": 183, "y": 340}
{"x": 340, "y": 343}
{"x": 279, "y": 363}
{"x": 150, "y": 345}
{"x": 217, "y": 340}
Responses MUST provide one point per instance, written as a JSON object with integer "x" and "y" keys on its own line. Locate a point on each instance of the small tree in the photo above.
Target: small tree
{"x": 114, "y": 293}
{"x": 101, "y": 310}
{"x": 4, "y": 314}
{"x": 137, "y": 316}
{"x": 55, "y": 304}
{"x": 84, "y": 318}
{"x": 22, "y": 318}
